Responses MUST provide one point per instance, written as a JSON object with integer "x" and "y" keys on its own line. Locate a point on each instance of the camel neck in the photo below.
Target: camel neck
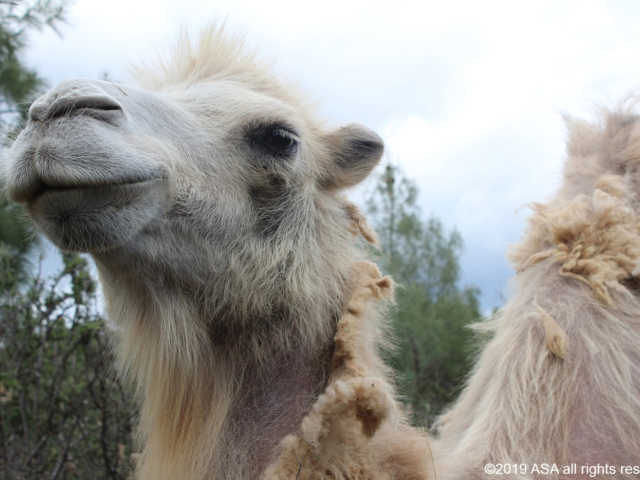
{"x": 276, "y": 395}
{"x": 205, "y": 389}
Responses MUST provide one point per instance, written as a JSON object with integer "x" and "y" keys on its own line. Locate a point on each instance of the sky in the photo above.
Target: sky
{"x": 468, "y": 96}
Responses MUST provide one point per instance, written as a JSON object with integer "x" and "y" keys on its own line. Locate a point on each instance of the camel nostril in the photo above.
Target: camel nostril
{"x": 67, "y": 104}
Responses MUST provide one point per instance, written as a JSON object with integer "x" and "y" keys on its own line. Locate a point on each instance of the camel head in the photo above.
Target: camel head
{"x": 210, "y": 177}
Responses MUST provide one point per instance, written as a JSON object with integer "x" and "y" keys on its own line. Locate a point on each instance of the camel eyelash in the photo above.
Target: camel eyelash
{"x": 276, "y": 140}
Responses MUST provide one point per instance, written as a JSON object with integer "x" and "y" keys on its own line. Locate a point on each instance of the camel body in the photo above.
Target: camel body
{"x": 559, "y": 382}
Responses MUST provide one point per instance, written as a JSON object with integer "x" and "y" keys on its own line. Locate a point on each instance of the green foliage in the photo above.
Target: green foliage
{"x": 433, "y": 312}
{"x": 63, "y": 413}
{"x": 17, "y": 82}
{"x": 15, "y": 230}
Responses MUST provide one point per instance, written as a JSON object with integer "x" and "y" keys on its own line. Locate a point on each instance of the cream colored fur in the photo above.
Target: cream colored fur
{"x": 559, "y": 382}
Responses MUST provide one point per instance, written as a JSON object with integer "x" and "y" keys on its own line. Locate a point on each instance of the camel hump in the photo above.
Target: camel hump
{"x": 590, "y": 229}
{"x": 604, "y": 147}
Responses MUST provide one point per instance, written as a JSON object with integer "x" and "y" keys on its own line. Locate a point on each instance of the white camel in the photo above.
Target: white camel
{"x": 210, "y": 197}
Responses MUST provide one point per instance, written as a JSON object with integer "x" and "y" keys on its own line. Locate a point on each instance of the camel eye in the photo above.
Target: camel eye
{"x": 275, "y": 140}
{"x": 279, "y": 140}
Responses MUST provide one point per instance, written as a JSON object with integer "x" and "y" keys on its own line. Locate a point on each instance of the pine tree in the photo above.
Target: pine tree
{"x": 433, "y": 312}
{"x": 18, "y": 83}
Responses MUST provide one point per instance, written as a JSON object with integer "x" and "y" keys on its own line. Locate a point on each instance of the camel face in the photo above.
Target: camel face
{"x": 99, "y": 163}
{"x": 215, "y": 186}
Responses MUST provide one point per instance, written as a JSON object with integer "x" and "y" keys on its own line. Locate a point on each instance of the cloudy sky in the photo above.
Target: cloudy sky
{"x": 468, "y": 95}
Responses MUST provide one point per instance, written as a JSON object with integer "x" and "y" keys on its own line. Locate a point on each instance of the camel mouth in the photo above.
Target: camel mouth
{"x": 45, "y": 188}
{"x": 92, "y": 218}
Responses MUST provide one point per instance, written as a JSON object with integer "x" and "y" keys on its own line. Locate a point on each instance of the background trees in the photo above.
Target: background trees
{"x": 17, "y": 81}
{"x": 433, "y": 312}
{"x": 63, "y": 412}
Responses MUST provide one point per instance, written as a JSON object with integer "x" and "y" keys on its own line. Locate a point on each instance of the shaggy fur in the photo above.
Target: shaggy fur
{"x": 355, "y": 430}
{"x": 559, "y": 382}
{"x": 211, "y": 200}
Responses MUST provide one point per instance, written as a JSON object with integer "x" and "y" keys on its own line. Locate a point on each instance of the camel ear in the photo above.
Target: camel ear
{"x": 355, "y": 151}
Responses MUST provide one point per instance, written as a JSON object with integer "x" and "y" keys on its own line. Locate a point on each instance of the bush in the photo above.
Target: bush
{"x": 63, "y": 412}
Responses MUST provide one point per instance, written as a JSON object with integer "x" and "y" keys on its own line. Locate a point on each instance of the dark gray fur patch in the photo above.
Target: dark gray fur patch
{"x": 270, "y": 202}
